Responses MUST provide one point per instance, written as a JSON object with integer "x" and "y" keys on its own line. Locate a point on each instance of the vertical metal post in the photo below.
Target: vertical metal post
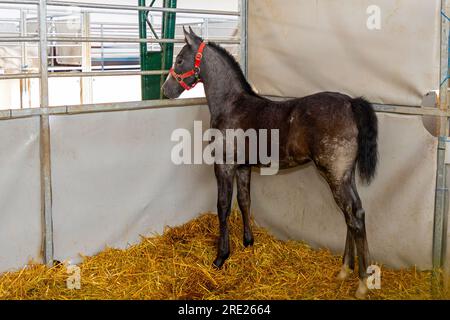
{"x": 23, "y": 56}
{"x": 102, "y": 49}
{"x": 168, "y": 29}
{"x": 243, "y": 8}
{"x": 205, "y": 28}
{"x": 145, "y": 81}
{"x": 86, "y": 62}
{"x": 440, "y": 215}
{"x": 46, "y": 186}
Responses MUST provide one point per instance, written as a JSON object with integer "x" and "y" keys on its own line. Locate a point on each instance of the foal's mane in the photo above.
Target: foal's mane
{"x": 236, "y": 66}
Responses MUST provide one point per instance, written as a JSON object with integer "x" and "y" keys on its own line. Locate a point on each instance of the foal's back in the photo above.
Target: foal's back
{"x": 317, "y": 108}
{"x": 319, "y": 127}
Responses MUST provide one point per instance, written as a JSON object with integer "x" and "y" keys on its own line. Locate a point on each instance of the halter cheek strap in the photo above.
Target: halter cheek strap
{"x": 195, "y": 72}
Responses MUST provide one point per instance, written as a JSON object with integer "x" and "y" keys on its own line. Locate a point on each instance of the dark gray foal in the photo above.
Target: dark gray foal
{"x": 336, "y": 132}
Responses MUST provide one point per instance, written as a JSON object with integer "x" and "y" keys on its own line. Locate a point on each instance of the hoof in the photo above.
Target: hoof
{"x": 361, "y": 292}
{"x": 344, "y": 273}
{"x": 248, "y": 242}
{"x": 219, "y": 262}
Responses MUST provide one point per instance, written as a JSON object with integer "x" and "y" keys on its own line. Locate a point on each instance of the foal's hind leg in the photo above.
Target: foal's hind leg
{"x": 347, "y": 198}
{"x": 360, "y": 237}
{"x": 348, "y": 261}
{"x": 243, "y": 175}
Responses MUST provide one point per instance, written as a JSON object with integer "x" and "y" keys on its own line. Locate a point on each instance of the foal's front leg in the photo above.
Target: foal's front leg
{"x": 224, "y": 176}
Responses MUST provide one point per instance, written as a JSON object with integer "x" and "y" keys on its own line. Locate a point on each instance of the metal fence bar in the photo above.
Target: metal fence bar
{"x": 148, "y": 104}
{"x": 101, "y": 107}
{"x": 111, "y": 39}
{"x": 23, "y": 55}
{"x": 36, "y": 2}
{"x": 19, "y": 76}
{"x": 408, "y": 110}
{"x": 86, "y": 88}
{"x": 387, "y": 108}
{"x": 441, "y": 197}
{"x": 135, "y": 40}
{"x": 140, "y": 8}
{"x": 45, "y": 158}
{"x": 107, "y": 73}
{"x": 19, "y": 39}
{"x": 243, "y": 5}
{"x": 137, "y": 105}
{"x": 202, "y": 101}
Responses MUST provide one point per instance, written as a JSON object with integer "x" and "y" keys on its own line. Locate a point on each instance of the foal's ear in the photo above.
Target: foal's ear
{"x": 192, "y": 32}
{"x": 189, "y": 37}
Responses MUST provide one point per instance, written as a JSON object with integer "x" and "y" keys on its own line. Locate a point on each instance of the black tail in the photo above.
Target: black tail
{"x": 367, "y": 123}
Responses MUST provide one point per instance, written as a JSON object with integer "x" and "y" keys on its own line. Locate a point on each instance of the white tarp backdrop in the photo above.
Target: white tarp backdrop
{"x": 20, "y": 204}
{"x": 113, "y": 178}
{"x": 112, "y": 181}
{"x": 298, "y": 48}
{"x": 399, "y": 204}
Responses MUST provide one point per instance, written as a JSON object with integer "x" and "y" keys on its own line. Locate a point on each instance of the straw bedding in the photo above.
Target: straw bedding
{"x": 178, "y": 265}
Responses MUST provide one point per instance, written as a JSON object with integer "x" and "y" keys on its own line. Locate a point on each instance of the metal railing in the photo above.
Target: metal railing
{"x": 123, "y": 46}
{"x": 100, "y": 39}
{"x": 45, "y": 111}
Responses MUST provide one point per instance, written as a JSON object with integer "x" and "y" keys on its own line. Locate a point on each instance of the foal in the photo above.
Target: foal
{"x": 333, "y": 130}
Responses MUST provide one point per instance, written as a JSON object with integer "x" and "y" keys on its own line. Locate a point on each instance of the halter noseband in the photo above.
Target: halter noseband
{"x": 194, "y": 72}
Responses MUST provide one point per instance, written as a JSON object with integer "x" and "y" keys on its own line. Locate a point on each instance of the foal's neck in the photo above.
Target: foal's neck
{"x": 222, "y": 79}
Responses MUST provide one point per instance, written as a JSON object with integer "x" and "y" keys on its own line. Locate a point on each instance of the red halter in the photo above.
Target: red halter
{"x": 194, "y": 72}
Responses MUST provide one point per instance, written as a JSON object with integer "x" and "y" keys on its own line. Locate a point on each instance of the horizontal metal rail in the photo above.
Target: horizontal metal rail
{"x": 410, "y": 110}
{"x": 17, "y": 76}
{"x": 110, "y": 40}
{"x": 103, "y": 107}
{"x": 107, "y": 73}
{"x": 154, "y": 104}
{"x": 140, "y": 8}
{"x": 387, "y": 108}
{"x": 19, "y": 2}
{"x": 135, "y": 40}
{"x": 131, "y": 25}
{"x": 19, "y": 39}
{"x": 85, "y": 74}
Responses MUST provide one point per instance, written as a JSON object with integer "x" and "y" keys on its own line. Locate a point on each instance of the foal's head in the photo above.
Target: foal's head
{"x": 184, "y": 63}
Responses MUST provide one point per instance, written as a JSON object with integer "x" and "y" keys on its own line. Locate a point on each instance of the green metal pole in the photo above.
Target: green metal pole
{"x": 441, "y": 198}
{"x": 156, "y": 60}
{"x": 143, "y": 50}
{"x": 168, "y": 29}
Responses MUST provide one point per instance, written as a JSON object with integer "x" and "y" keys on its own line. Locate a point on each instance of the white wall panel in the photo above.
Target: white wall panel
{"x": 399, "y": 204}
{"x": 298, "y": 48}
{"x": 113, "y": 178}
{"x": 20, "y": 217}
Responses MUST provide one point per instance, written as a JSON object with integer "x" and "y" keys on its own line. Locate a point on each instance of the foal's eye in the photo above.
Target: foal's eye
{"x": 179, "y": 61}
